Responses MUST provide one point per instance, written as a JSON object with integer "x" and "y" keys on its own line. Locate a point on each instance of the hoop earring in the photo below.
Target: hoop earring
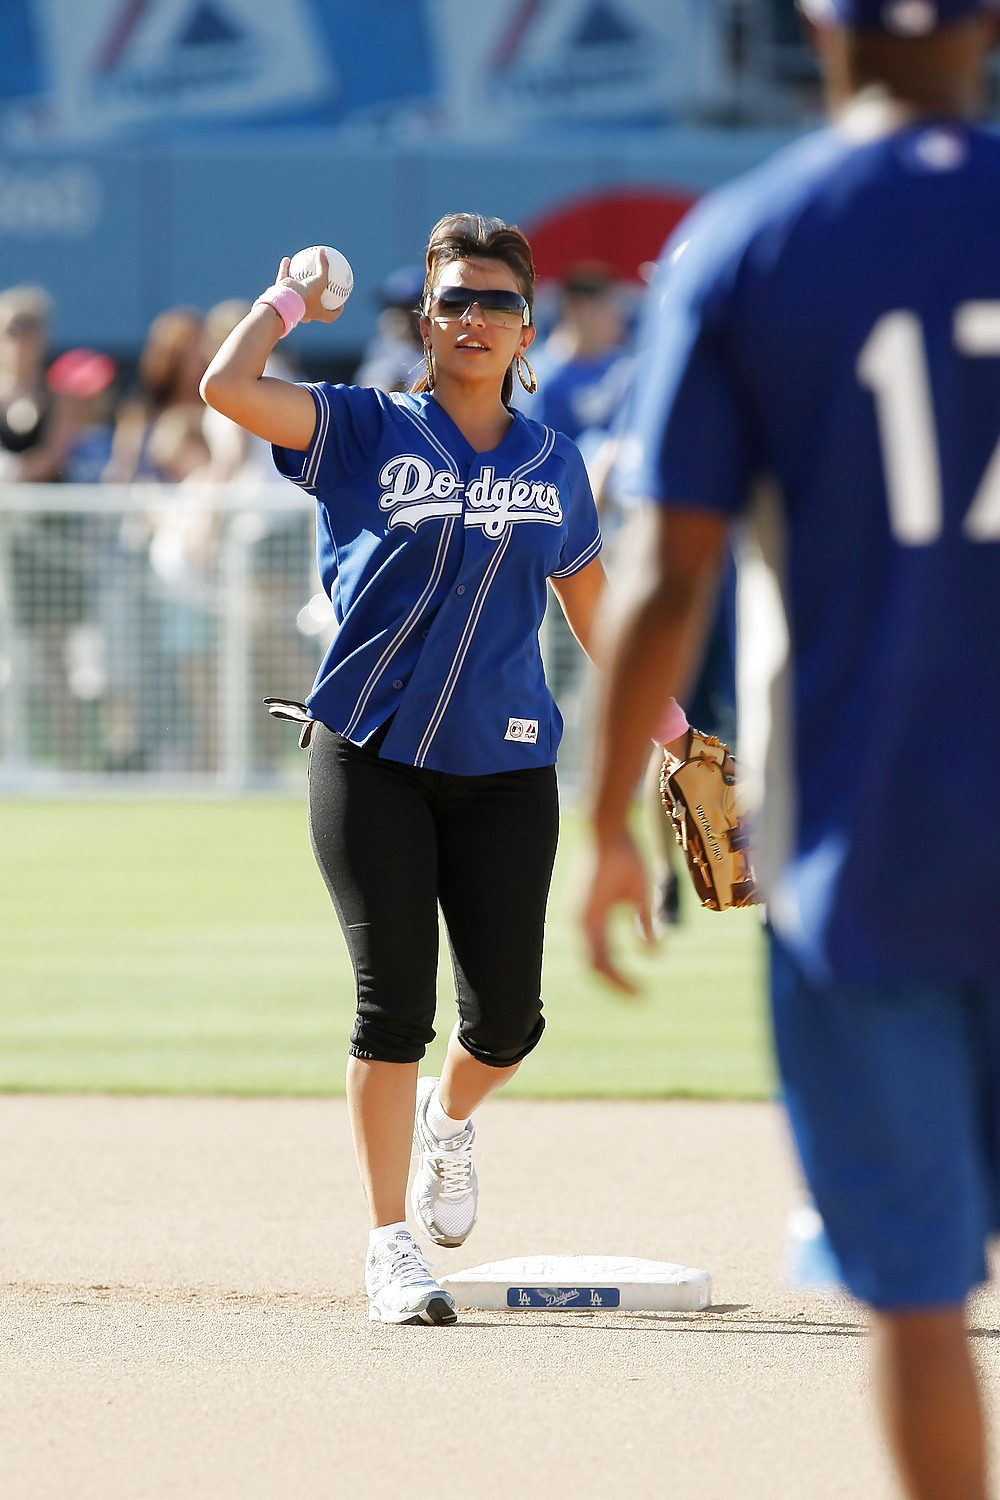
{"x": 531, "y": 384}
{"x": 429, "y": 366}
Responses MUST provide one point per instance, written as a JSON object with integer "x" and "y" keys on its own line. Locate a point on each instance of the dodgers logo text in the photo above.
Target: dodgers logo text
{"x": 412, "y": 491}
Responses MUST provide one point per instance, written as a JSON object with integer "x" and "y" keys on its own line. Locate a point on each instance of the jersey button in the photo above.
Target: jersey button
{"x": 460, "y": 589}
{"x": 425, "y": 634}
{"x": 398, "y": 683}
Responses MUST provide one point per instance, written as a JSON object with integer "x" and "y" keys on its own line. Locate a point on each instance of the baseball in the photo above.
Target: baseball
{"x": 340, "y": 281}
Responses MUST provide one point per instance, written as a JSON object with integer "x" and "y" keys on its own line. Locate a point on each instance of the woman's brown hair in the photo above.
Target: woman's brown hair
{"x": 474, "y": 237}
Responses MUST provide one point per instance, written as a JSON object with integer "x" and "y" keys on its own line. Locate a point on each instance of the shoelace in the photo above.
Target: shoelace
{"x": 455, "y": 1170}
{"x": 406, "y": 1263}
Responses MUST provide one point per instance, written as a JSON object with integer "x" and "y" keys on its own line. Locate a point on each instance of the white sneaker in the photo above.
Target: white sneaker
{"x": 445, "y": 1192}
{"x": 400, "y": 1286}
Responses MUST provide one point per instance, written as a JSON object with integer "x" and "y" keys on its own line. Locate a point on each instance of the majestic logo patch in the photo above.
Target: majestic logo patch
{"x": 415, "y": 492}
{"x": 522, "y": 729}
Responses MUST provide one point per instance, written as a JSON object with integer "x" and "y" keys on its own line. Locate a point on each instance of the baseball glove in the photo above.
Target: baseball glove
{"x": 699, "y": 794}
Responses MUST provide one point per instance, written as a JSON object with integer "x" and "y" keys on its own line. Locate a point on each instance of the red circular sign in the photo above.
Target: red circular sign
{"x": 623, "y": 228}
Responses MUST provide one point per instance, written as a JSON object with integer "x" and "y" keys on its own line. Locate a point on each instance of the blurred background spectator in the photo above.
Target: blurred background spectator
{"x": 50, "y": 585}
{"x": 171, "y": 365}
{"x": 278, "y": 549}
{"x": 37, "y": 425}
{"x": 583, "y": 366}
{"x": 396, "y": 351}
{"x": 154, "y": 588}
{"x": 87, "y": 378}
{"x": 183, "y": 555}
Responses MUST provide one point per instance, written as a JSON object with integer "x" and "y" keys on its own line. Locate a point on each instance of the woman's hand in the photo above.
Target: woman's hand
{"x": 310, "y": 289}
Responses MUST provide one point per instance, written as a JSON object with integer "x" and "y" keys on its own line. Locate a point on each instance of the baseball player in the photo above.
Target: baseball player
{"x": 821, "y": 358}
{"x": 442, "y": 515}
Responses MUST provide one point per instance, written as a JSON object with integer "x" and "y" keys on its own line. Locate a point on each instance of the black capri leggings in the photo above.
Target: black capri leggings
{"x": 391, "y": 842}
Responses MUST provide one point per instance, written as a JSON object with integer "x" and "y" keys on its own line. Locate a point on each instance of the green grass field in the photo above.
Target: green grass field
{"x": 189, "y": 946}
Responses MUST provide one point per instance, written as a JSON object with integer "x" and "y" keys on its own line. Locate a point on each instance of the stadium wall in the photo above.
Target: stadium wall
{"x": 117, "y": 233}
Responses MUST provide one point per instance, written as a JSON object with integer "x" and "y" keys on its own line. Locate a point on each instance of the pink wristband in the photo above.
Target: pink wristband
{"x": 672, "y": 725}
{"x": 287, "y": 303}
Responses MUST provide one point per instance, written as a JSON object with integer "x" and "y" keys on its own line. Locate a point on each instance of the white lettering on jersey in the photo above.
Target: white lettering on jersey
{"x": 894, "y": 365}
{"x": 493, "y": 503}
{"x": 415, "y": 492}
{"x": 525, "y": 730}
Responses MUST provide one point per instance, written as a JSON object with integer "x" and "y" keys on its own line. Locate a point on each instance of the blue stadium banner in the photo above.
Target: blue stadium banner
{"x": 510, "y": 62}
{"x": 120, "y": 63}
{"x": 105, "y": 70}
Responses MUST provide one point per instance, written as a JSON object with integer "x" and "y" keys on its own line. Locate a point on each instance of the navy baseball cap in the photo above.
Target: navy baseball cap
{"x": 898, "y": 17}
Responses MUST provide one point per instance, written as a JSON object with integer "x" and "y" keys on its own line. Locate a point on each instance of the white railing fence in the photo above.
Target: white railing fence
{"x": 142, "y": 625}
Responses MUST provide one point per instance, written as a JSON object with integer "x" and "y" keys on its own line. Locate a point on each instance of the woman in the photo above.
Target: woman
{"x": 50, "y": 585}
{"x": 171, "y": 365}
{"x": 442, "y": 514}
{"x": 37, "y": 425}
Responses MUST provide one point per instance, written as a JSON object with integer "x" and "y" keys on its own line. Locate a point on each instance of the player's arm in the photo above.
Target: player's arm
{"x": 652, "y": 648}
{"x": 235, "y": 383}
{"x": 584, "y": 597}
{"x": 578, "y": 595}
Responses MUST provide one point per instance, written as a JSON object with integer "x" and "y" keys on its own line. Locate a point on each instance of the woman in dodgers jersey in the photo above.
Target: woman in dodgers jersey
{"x": 442, "y": 514}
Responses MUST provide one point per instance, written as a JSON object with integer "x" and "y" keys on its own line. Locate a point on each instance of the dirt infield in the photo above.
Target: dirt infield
{"x": 182, "y": 1315}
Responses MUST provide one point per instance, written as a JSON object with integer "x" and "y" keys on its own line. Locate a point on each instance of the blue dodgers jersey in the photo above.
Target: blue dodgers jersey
{"x": 821, "y": 353}
{"x": 436, "y": 559}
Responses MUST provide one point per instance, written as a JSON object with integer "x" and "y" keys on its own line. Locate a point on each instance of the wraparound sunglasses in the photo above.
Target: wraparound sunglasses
{"x": 500, "y": 307}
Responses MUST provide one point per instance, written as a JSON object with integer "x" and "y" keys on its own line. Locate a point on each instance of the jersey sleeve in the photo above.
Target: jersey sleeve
{"x": 349, "y": 423}
{"x": 583, "y": 533}
{"x": 685, "y": 437}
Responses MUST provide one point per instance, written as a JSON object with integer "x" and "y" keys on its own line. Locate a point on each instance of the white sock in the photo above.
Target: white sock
{"x": 386, "y": 1232}
{"x": 442, "y": 1126}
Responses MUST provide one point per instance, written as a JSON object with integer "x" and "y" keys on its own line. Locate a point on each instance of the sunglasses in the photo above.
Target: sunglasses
{"x": 21, "y": 324}
{"x": 502, "y": 308}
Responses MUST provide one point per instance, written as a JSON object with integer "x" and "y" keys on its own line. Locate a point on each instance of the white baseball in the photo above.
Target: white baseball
{"x": 340, "y": 280}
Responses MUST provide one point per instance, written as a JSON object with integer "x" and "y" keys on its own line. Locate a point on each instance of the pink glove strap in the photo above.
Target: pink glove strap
{"x": 672, "y": 725}
{"x": 287, "y": 303}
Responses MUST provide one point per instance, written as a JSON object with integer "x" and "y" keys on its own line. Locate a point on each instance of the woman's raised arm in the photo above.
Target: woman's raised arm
{"x": 235, "y": 383}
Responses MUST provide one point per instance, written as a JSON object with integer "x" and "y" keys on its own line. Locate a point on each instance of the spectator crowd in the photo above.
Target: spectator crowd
{"x": 110, "y": 618}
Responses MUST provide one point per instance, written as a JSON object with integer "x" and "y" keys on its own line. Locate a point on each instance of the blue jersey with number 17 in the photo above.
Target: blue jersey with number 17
{"x": 821, "y": 356}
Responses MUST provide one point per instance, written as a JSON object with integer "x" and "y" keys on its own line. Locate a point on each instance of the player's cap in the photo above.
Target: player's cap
{"x": 81, "y": 373}
{"x": 403, "y": 287}
{"x": 906, "y": 18}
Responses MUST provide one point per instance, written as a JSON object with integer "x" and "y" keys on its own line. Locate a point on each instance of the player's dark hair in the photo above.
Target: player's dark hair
{"x": 475, "y": 237}
{"x": 941, "y": 74}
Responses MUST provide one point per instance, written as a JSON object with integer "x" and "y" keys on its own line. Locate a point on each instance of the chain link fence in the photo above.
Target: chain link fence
{"x": 142, "y": 625}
